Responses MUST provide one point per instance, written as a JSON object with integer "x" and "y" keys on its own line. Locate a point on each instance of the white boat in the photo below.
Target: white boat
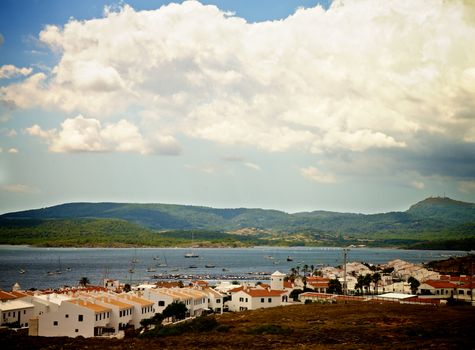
{"x": 22, "y": 271}
{"x": 192, "y": 254}
{"x": 151, "y": 269}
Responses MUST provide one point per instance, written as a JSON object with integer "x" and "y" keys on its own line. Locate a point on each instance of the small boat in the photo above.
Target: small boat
{"x": 209, "y": 266}
{"x": 131, "y": 270}
{"x": 68, "y": 269}
{"x": 51, "y": 273}
{"x": 225, "y": 269}
{"x": 289, "y": 258}
{"x": 22, "y": 271}
{"x": 192, "y": 266}
{"x": 151, "y": 269}
{"x": 156, "y": 258}
{"x": 191, "y": 255}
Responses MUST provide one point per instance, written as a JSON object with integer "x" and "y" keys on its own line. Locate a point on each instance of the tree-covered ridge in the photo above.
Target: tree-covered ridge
{"x": 433, "y": 219}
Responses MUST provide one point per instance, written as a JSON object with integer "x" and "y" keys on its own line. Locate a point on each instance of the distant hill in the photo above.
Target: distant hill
{"x": 436, "y": 218}
{"x": 443, "y": 208}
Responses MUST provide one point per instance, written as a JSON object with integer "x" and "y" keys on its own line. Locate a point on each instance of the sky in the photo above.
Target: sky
{"x": 348, "y": 105}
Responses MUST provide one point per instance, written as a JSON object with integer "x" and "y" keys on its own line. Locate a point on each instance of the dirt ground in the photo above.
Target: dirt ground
{"x": 312, "y": 326}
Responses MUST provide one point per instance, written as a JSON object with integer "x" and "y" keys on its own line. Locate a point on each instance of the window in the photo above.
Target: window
{"x": 13, "y": 313}
{"x": 241, "y": 299}
{"x": 218, "y": 301}
{"x": 80, "y": 318}
{"x": 262, "y": 300}
{"x": 66, "y": 316}
{"x": 269, "y": 300}
{"x": 55, "y": 323}
{"x": 76, "y": 330}
{"x": 246, "y": 300}
{"x": 161, "y": 303}
{"x": 26, "y": 324}
{"x": 97, "y": 316}
{"x": 24, "y": 312}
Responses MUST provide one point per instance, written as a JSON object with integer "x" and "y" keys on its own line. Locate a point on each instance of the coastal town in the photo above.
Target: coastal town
{"x": 114, "y": 307}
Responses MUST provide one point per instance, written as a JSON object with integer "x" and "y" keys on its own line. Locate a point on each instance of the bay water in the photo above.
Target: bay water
{"x": 43, "y": 268}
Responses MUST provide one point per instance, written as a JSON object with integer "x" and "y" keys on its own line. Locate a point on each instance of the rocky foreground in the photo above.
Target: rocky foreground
{"x": 312, "y": 326}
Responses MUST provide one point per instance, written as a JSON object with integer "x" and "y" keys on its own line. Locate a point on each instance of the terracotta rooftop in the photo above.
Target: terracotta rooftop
{"x": 91, "y": 306}
{"x": 6, "y": 295}
{"x": 135, "y": 299}
{"x": 440, "y": 284}
{"x": 263, "y": 293}
{"x": 108, "y": 300}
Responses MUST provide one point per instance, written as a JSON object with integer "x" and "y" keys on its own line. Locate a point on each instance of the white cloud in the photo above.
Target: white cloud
{"x": 9, "y": 71}
{"x": 19, "y": 188}
{"x": 466, "y": 186}
{"x": 81, "y": 134}
{"x": 317, "y": 175}
{"x": 418, "y": 184}
{"x": 371, "y": 75}
{"x": 13, "y": 151}
{"x": 252, "y": 166}
{"x": 12, "y": 133}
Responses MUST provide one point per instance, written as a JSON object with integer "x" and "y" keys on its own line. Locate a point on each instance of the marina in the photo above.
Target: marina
{"x": 37, "y": 268}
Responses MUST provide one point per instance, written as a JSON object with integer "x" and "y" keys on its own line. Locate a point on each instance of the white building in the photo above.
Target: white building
{"x": 16, "y": 312}
{"x": 74, "y": 318}
{"x": 256, "y": 298}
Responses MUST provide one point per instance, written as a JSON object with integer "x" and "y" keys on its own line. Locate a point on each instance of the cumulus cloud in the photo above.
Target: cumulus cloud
{"x": 82, "y": 134}
{"x": 19, "y": 188}
{"x": 13, "y": 151}
{"x": 371, "y": 75}
{"x": 10, "y": 71}
{"x": 317, "y": 175}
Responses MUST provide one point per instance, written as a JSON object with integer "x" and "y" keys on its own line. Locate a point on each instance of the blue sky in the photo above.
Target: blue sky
{"x": 354, "y": 106}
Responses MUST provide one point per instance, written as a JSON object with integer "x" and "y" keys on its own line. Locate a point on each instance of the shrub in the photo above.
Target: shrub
{"x": 270, "y": 329}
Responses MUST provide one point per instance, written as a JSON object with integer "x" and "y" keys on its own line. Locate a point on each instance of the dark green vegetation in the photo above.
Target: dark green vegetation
{"x": 312, "y": 326}
{"x": 437, "y": 223}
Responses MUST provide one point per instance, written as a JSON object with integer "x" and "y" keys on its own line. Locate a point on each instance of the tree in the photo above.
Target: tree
{"x": 414, "y": 284}
{"x": 376, "y": 278}
{"x": 360, "y": 283}
{"x": 367, "y": 281}
{"x": 294, "y": 294}
{"x": 84, "y": 281}
{"x": 334, "y": 287}
{"x": 176, "y": 310}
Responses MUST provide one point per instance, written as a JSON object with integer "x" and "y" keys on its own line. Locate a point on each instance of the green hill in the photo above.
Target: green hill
{"x": 433, "y": 219}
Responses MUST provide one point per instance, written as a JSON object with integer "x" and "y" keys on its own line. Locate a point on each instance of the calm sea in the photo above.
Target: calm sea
{"x": 40, "y": 264}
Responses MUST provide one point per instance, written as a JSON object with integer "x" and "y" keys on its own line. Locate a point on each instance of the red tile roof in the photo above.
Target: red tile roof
{"x": 440, "y": 284}
{"x": 263, "y": 293}
{"x": 6, "y": 295}
{"x": 288, "y": 284}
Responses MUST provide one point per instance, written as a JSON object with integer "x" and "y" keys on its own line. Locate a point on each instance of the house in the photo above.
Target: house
{"x": 75, "y": 317}
{"x": 121, "y": 315}
{"x": 143, "y": 308}
{"x": 256, "y": 298}
{"x": 16, "y": 312}
{"x": 437, "y": 288}
{"x": 215, "y": 300}
{"x": 465, "y": 292}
